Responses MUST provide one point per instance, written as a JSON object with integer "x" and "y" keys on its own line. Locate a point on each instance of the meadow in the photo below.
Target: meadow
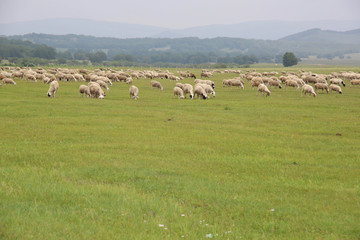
{"x": 237, "y": 166}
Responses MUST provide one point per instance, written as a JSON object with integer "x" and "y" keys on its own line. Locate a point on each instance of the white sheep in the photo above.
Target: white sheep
{"x": 263, "y": 89}
{"x": 235, "y": 82}
{"x": 308, "y": 89}
{"x": 129, "y": 80}
{"x": 8, "y": 81}
{"x": 321, "y": 86}
{"x": 355, "y": 82}
{"x": 208, "y": 82}
{"x": 200, "y": 92}
{"x": 335, "y": 88}
{"x": 188, "y": 88}
{"x": 156, "y": 84}
{"x": 180, "y": 85}
{"x": 178, "y": 92}
{"x": 96, "y": 91}
{"x": 83, "y": 89}
{"x": 337, "y": 81}
{"x": 208, "y": 89}
{"x": 291, "y": 83}
{"x": 102, "y": 84}
{"x": 54, "y": 86}
{"x": 134, "y": 92}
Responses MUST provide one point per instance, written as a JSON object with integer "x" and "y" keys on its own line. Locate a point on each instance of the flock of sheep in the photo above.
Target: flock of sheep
{"x": 100, "y": 79}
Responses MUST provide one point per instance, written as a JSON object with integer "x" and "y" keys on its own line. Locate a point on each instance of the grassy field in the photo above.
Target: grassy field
{"x": 238, "y": 166}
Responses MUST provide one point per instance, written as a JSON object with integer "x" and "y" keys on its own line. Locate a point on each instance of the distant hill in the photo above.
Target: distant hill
{"x": 80, "y": 27}
{"x": 265, "y": 30}
{"x": 314, "y": 42}
{"x": 326, "y": 36}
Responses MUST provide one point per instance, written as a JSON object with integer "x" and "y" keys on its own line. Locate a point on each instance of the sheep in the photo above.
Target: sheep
{"x": 129, "y": 80}
{"x": 8, "y": 81}
{"x": 321, "y": 86}
{"x": 156, "y": 84}
{"x": 208, "y": 89}
{"x": 178, "y": 92}
{"x": 180, "y": 85}
{"x": 337, "y": 81}
{"x": 335, "y": 88}
{"x": 79, "y": 77}
{"x": 355, "y": 82}
{"x": 102, "y": 84}
{"x": 263, "y": 89}
{"x": 134, "y": 92}
{"x": 308, "y": 89}
{"x": 226, "y": 82}
{"x": 96, "y": 91}
{"x": 291, "y": 83}
{"x": 236, "y": 82}
{"x": 83, "y": 89}
{"x": 275, "y": 83}
{"x": 208, "y": 82}
{"x": 54, "y": 86}
{"x": 200, "y": 92}
{"x": 256, "y": 81}
{"x": 188, "y": 88}
{"x": 30, "y": 77}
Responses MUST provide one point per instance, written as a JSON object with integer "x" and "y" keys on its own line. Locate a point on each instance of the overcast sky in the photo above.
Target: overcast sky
{"x": 181, "y": 13}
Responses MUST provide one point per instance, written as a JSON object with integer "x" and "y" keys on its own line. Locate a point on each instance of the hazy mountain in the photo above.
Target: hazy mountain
{"x": 267, "y": 30}
{"x": 325, "y": 36}
{"x": 311, "y": 42}
{"x": 80, "y": 27}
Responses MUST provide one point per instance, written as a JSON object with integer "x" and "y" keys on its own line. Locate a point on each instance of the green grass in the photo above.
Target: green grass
{"x": 238, "y": 166}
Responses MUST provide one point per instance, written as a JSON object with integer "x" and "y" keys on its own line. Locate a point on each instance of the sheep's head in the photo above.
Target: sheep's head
{"x": 101, "y": 97}
{"x": 314, "y": 94}
{"x": 49, "y": 94}
{"x": 343, "y": 83}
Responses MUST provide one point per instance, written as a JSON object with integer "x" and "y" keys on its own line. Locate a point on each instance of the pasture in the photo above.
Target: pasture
{"x": 237, "y": 166}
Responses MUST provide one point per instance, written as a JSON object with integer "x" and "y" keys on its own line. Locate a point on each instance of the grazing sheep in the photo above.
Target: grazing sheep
{"x": 83, "y": 89}
{"x": 321, "y": 86}
{"x": 188, "y": 88}
{"x": 180, "y": 85}
{"x": 208, "y": 89}
{"x": 129, "y": 80}
{"x": 134, "y": 92}
{"x": 337, "y": 81}
{"x": 200, "y": 91}
{"x": 156, "y": 84}
{"x": 30, "y": 77}
{"x": 208, "y": 82}
{"x": 355, "y": 82}
{"x": 291, "y": 83}
{"x": 236, "y": 82}
{"x": 263, "y": 89}
{"x": 179, "y": 92}
{"x": 79, "y": 77}
{"x": 335, "y": 88}
{"x": 275, "y": 83}
{"x": 8, "y": 81}
{"x": 308, "y": 89}
{"x": 102, "y": 84}
{"x": 256, "y": 81}
{"x": 54, "y": 86}
{"x": 96, "y": 91}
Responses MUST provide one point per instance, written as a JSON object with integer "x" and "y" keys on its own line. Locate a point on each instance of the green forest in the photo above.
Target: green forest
{"x": 80, "y": 49}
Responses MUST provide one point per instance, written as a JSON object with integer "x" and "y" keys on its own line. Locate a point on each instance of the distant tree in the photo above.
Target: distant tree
{"x": 97, "y": 57}
{"x": 44, "y": 51}
{"x": 289, "y": 59}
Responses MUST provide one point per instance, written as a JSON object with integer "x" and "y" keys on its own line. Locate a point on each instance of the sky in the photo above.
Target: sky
{"x": 181, "y": 13}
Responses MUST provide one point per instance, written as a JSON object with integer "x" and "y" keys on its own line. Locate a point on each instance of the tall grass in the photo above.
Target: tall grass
{"x": 238, "y": 166}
